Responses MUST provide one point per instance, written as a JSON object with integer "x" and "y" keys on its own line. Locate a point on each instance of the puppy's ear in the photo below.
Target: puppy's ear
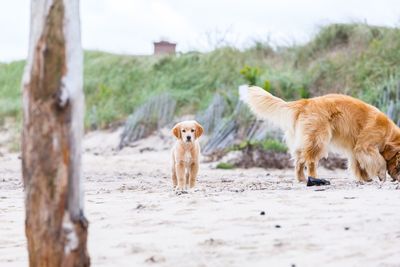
{"x": 199, "y": 130}
{"x": 177, "y": 131}
{"x": 390, "y": 151}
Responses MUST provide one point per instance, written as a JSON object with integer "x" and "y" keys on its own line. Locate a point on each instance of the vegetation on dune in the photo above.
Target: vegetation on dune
{"x": 350, "y": 58}
{"x": 116, "y": 85}
{"x": 225, "y": 166}
{"x": 10, "y": 91}
{"x": 355, "y": 59}
{"x": 268, "y": 144}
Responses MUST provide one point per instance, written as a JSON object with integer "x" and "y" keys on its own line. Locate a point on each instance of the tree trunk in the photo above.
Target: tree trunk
{"x": 53, "y": 103}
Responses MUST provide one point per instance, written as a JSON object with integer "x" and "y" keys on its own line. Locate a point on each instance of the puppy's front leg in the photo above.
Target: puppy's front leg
{"x": 174, "y": 179}
{"x": 194, "y": 169}
{"x": 173, "y": 169}
{"x": 187, "y": 178}
{"x": 180, "y": 173}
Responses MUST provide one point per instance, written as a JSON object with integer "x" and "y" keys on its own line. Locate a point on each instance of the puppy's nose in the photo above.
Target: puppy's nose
{"x": 188, "y": 138}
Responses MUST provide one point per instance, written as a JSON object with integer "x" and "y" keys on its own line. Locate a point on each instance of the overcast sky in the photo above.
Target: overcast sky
{"x": 130, "y": 26}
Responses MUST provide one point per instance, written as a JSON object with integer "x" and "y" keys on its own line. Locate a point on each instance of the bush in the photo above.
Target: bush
{"x": 268, "y": 144}
{"x": 225, "y": 166}
{"x": 251, "y": 74}
{"x": 273, "y": 145}
{"x": 10, "y": 90}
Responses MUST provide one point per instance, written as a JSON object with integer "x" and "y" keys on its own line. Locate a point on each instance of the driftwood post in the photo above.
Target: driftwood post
{"x": 53, "y": 104}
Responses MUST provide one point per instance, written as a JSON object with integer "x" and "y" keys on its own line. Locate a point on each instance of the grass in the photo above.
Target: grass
{"x": 273, "y": 145}
{"x": 225, "y": 166}
{"x": 116, "y": 85}
{"x": 355, "y": 59}
{"x": 349, "y": 58}
{"x": 268, "y": 144}
{"x": 10, "y": 90}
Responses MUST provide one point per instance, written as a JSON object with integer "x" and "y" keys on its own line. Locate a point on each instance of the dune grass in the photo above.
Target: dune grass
{"x": 355, "y": 59}
{"x": 116, "y": 85}
{"x": 225, "y": 166}
{"x": 10, "y": 91}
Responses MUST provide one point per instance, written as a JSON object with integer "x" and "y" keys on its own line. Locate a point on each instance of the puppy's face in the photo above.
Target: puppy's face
{"x": 392, "y": 157}
{"x": 187, "y": 131}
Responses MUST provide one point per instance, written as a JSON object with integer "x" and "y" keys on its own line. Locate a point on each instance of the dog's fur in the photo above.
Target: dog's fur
{"x": 369, "y": 139}
{"x": 185, "y": 154}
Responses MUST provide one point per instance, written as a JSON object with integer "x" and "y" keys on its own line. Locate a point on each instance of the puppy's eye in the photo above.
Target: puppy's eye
{"x": 184, "y": 131}
{"x": 192, "y": 130}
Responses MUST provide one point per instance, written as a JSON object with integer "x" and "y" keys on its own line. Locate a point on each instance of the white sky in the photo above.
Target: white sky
{"x": 130, "y": 26}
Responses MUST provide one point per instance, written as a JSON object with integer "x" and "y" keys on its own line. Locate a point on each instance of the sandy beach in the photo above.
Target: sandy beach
{"x": 241, "y": 217}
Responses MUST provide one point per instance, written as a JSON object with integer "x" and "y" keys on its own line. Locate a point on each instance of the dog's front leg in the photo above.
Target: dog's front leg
{"x": 360, "y": 174}
{"x": 382, "y": 173}
{"x": 372, "y": 162}
{"x": 180, "y": 173}
{"x": 194, "y": 169}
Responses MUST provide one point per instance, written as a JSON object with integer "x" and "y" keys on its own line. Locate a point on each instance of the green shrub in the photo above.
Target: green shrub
{"x": 251, "y": 74}
{"x": 268, "y": 144}
{"x": 10, "y": 90}
{"x": 225, "y": 166}
{"x": 273, "y": 145}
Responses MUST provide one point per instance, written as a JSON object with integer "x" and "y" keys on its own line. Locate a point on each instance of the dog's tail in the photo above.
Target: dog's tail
{"x": 270, "y": 107}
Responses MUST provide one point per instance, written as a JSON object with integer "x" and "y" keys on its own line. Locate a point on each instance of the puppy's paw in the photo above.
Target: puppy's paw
{"x": 192, "y": 190}
{"x": 180, "y": 192}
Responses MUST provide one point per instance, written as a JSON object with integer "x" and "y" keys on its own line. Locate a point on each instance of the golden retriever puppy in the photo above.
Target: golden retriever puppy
{"x": 369, "y": 139}
{"x": 185, "y": 154}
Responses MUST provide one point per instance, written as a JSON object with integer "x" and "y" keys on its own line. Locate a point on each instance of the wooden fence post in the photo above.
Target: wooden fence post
{"x": 53, "y": 104}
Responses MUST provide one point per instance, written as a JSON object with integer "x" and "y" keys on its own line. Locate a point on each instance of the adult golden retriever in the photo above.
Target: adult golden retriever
{"x": 369, "y": 139}
{"x": 185, "y": 154}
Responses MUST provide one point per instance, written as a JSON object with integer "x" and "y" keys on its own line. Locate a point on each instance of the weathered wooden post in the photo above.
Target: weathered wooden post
{"x": 53, "y": 104}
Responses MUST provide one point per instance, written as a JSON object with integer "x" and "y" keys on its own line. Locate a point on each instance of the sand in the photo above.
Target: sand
{"x": 137, "y": 220}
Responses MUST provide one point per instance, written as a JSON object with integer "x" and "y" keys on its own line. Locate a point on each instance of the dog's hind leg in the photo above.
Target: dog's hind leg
{"x": 295, "y": 140}
{"x": 312, "y": 168}
{"x": 300, "y": 164}
{"x": 316, "y": 147}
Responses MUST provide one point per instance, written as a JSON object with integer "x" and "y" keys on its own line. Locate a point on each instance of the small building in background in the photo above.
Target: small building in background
{"x": 164, "y": 48}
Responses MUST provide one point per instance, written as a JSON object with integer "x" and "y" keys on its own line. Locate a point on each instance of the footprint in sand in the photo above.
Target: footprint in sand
{"x": 212, "y": 242}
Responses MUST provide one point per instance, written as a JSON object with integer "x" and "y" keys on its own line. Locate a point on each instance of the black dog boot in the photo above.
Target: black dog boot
{"x": 315, "y": 181}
